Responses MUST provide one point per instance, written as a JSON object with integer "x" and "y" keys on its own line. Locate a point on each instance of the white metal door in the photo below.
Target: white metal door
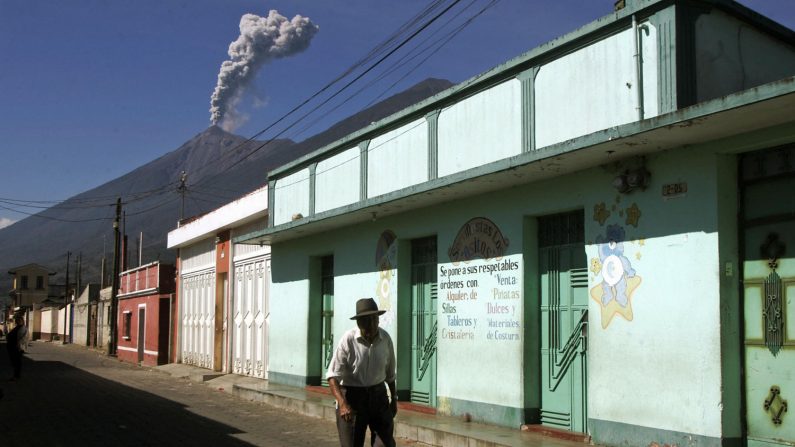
{"x": 198, "y": 318}
{"x": 250, "y": 318}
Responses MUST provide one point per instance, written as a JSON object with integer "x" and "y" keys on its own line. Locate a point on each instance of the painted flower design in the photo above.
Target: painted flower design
{"x": 600, "y": 213}
{"x": 633, "y": 215}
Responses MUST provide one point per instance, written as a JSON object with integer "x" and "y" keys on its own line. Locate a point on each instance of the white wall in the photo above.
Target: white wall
{"x": 337, "y": 180}
{"x": 249, "y": 207}
{"x": 291, "y": 197}
{"x": 594, "y": 88}
{"x": 398, "y": 158}
{"x": 198, "y": 256}
{"x": 664, "y": 356}
{"x": 287, "y": 338}
{"x": 242, "y": 251}
{"x": 480, "y": 129}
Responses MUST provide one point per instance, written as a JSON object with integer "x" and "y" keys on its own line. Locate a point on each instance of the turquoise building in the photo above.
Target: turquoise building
{"x": 597, "y": 236}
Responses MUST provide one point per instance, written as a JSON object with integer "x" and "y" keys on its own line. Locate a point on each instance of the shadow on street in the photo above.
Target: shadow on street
{"x": 56, "y": 404}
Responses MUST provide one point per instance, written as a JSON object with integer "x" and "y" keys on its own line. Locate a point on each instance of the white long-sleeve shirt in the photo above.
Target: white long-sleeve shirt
{"x": 356, "y": 362}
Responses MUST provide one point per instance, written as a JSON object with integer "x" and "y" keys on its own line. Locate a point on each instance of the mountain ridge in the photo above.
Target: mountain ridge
{"x": 83, "y": 224}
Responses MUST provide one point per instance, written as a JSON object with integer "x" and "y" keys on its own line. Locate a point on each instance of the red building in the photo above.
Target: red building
{"x": 145, "y": 295}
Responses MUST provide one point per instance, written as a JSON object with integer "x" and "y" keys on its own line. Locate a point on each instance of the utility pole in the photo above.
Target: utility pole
{"x": 102, "y": 266}
{"x": 125, "y": 259}
{"x": 65, "y": 296}
{"x": 182, "y": 188}
{"x": 115, "y": 280}
{"x": 79, "y": 280}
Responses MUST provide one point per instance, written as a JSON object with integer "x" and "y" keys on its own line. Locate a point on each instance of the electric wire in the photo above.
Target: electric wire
{"x": 345, "y": 87}
{"x": 372, "y": 54}
{"x": 389, "y": 43}
{"x": 412, "y": 54}
{"x": 441, "y": 45}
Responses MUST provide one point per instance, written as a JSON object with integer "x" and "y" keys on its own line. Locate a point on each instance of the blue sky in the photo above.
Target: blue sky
{"x": 92, "y": 89}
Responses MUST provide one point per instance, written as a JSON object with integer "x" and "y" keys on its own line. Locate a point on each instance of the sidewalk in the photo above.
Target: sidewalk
{"x": 415, "y": 426}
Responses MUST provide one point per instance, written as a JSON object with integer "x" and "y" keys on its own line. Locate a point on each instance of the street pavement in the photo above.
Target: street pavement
{"x": 72, "y": 396}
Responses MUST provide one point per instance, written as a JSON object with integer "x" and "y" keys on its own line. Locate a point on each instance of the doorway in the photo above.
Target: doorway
{"x": 141, "y": 333}
{"x": 767, "y": 220}
{"x": 564, "y": 321}
{"x": 423, "y": 320}
{"x": 326, "y": 315}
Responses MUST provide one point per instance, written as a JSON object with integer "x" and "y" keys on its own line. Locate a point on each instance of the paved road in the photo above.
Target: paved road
{"x": 72, "y": 396}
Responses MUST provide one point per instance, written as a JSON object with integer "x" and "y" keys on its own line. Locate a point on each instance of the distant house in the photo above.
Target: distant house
{"x": 223, "y": 289}
{"x": 48, "y": 320}
{"x": 145, "y": 295}
{"x": 84, "y": 322}
{"x": 31, "y": 287}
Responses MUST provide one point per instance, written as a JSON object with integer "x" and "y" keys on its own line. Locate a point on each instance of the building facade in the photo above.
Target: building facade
{"x": 593, "y": 237}
{"x": 84, "y": 322}
{"x": 144, "y": 316}
{"x": 223, "y": 289}
{"x": 103, "y": 317}
{"x": 30, "y": 288}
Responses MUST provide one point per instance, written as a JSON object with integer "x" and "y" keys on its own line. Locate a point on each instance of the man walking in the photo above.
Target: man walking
{"x": 363, "y": 362}
{"x": 15, "y": 342}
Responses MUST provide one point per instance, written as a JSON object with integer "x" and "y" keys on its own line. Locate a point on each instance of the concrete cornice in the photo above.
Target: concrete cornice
{"x": 763, "y": 107}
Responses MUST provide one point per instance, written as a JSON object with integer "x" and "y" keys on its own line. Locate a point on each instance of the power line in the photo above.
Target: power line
{"x": 412, "y": 54}
{"x": 345, "y": 87}
{"x": 389, "y": 43}
{"x": 441, "y": 45}
{"x": 373, "y": 53}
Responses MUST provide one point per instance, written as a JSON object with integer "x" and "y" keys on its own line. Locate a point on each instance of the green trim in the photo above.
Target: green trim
{"x": 528, "y": 79}
{"x": 312, "y": 171}
{"x": 731, "y": 302}
{"x": 271, "y": 201}
{"x": 531, "y": 363}
{"x": 618, "y": 433}
{"x": 402, "y": 339}
{"x": 292, "y": 379}
{"x": 433, "y": 144}
{"x": 778, "y": 90}
{"x": 483, "y": 412}
{"x": 314, "y": 322}
{"x": 363, "y": 151}
{"x": 665, "y": 23}
{"x": 591, "y": 32}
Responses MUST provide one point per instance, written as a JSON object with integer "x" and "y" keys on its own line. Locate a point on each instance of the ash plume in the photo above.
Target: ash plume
{"x": 262, "y": 39}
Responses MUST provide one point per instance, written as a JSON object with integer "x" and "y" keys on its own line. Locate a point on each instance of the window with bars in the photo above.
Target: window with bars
{"x": 127, "y": 324}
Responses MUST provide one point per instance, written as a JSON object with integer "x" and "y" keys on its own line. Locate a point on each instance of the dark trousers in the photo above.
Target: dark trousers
{"x": 16, "y": 361}
{"x": 371, "y": 409}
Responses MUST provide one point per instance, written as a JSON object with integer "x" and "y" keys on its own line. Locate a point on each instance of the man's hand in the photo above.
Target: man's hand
{"x": 393, "y": 396}
{"x": 346, "y": 413}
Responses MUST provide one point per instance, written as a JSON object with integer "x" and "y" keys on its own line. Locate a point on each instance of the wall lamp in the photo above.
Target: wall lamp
{"x": 632, "y": 179}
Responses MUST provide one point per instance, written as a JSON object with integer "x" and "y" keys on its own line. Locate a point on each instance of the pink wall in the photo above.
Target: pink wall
{"x": 156, "y": 327}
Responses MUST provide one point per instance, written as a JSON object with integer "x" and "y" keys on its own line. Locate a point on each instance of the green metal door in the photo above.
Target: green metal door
{"x": 768, "y": 236}
{"x": 423, "y": 316}
{"x": 564, "y": 321}
{"x": 327, "y": 313}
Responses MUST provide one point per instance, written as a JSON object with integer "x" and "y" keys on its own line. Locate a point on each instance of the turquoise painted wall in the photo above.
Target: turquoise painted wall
{"x": 655, "y": 352}
{"x": 662, "y": 351}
